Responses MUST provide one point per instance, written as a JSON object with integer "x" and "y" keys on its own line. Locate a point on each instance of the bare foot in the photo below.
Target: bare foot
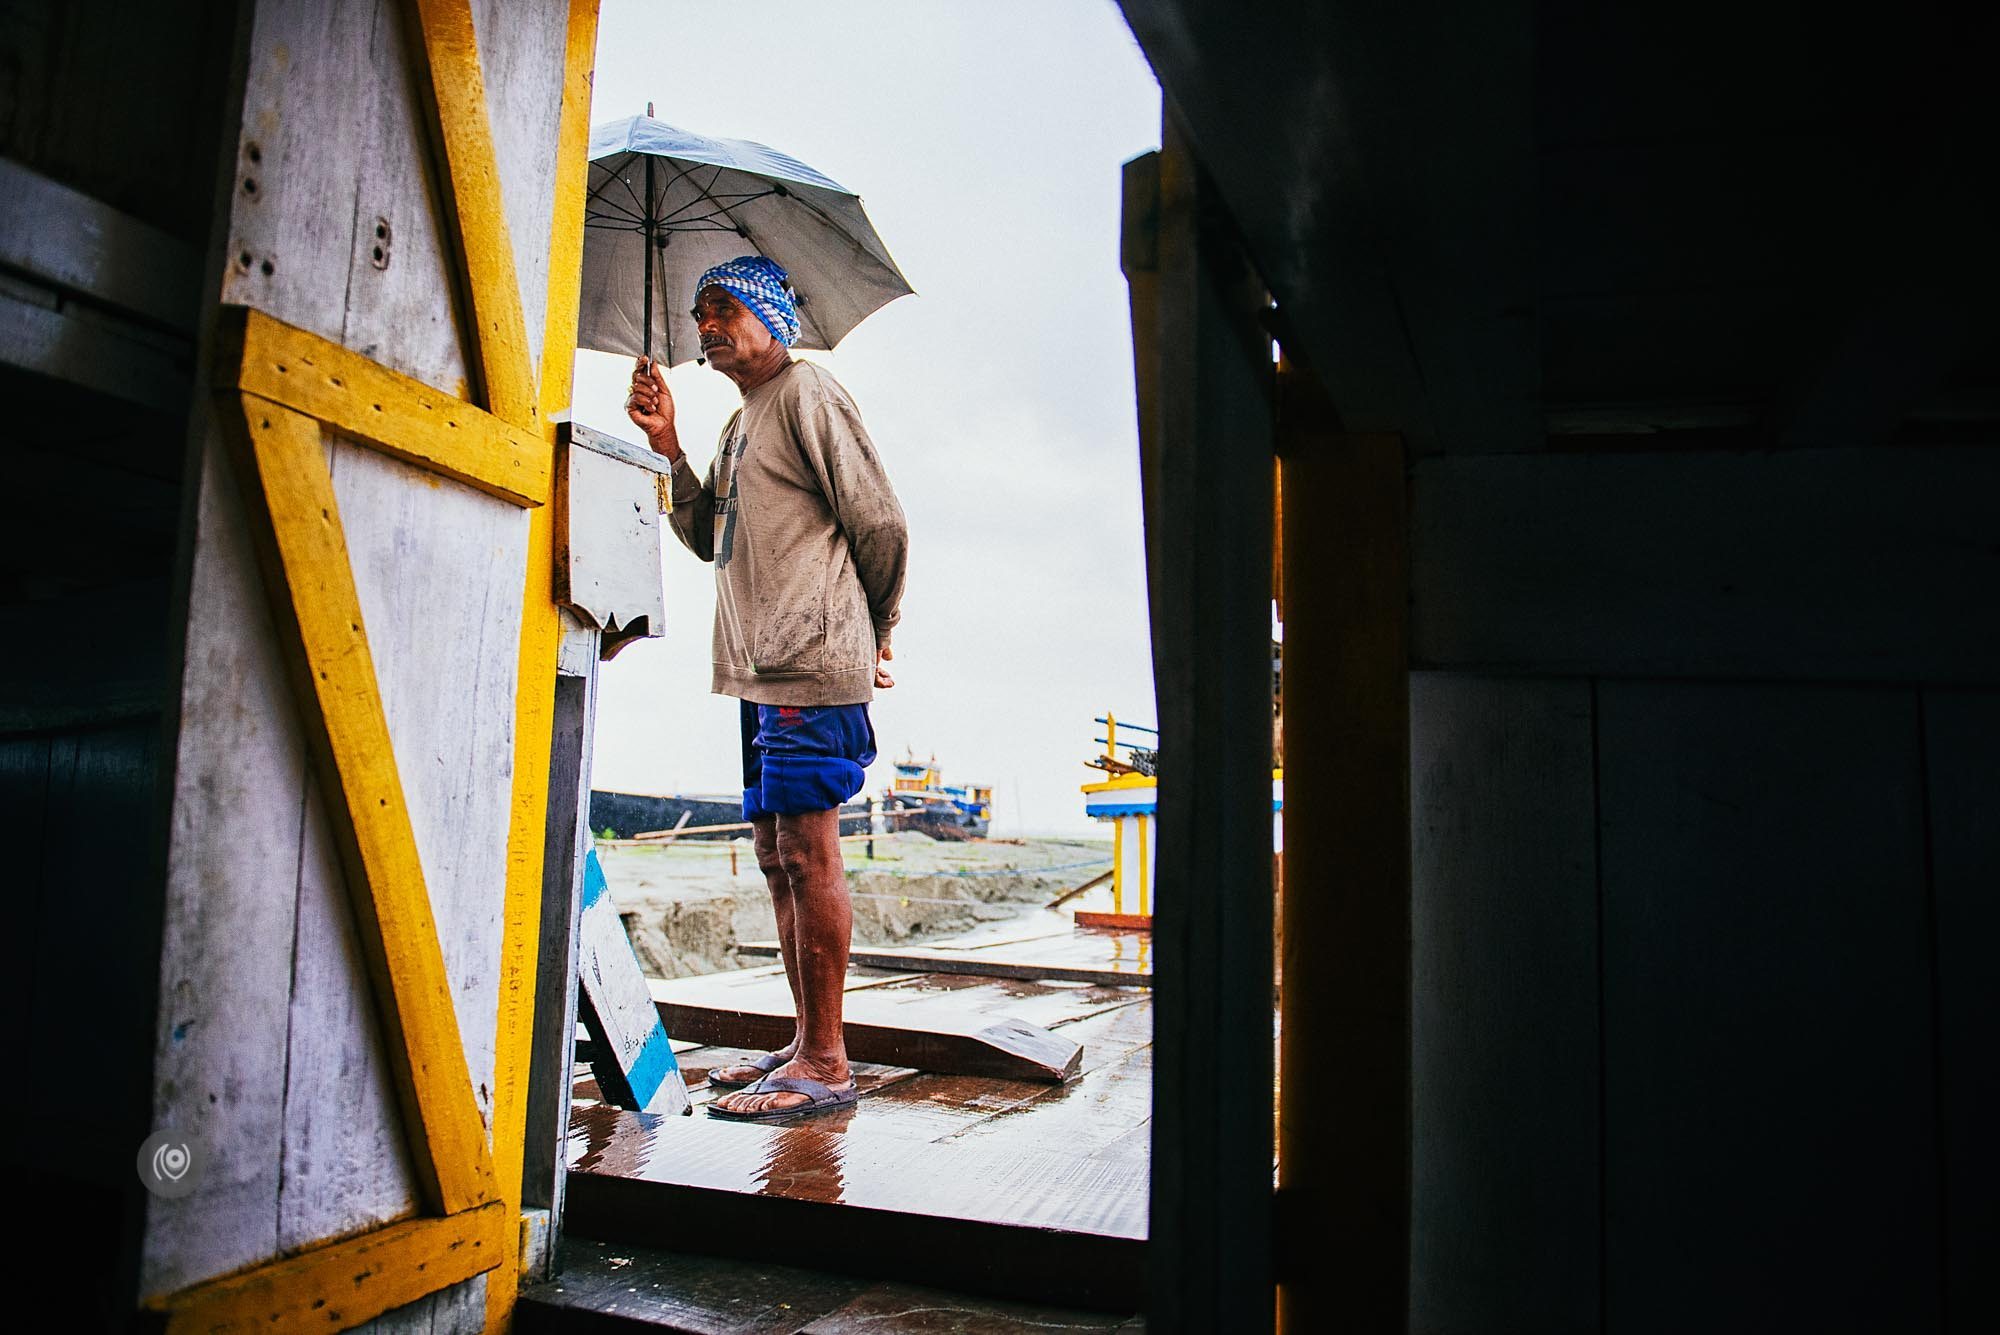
{"x": 833, "y": 1074}
{"x": 746, "y": 1074}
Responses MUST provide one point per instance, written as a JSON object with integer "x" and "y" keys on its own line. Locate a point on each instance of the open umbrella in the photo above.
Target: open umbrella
{"x": 700, "y": 201}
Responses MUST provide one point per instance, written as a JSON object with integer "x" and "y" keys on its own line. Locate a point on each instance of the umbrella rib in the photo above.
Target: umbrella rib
{"x": 644, "y": 206}
{"x": 617, "y": 211}
{"x": 721, "y": 209}
{"x": 702, "y": 193}
{"x": 599, "y": 189}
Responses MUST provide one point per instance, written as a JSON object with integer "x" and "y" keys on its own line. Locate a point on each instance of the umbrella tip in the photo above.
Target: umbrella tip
{"x": 649, "y": 110}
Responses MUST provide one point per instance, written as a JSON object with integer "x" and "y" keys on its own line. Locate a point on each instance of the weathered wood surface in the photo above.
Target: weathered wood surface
{"x": 1504, "y": 1028}
{"x": 446, "y": 666}
{"x": 579, "y": 436}
{"x": 1209, "y": 1265}
{"x": 997, "y": 1185}
{"x": 1124, "y": 923}
{"x": 633, "y": 1059}
{"x": 1872, "y": 565}
{"x": 458, "y": 1310}
{"x": 948, "y": 1023}
{"x": 129, "y": 363}
{"x": 521, "y": 50}
{"x": 81, "y": 245}
{"x": 1107, "y": 959}
{"x": 334, "y": 1044}
{"x": 305, "y": 222}
{"x": 422, "y": 1267}
{"x": 391, "y": 413}
{"x": 1962, "y": 753}
{"x": 546, "y": 1122}
{"x": 267, "y": 1044}
{"x": 608, "y": 544}
{"x": 1346, "y": 940}
{"x": 231, "y": 916}
{"x": 122, "y": 99}
{"x": 1770, "y": 1124}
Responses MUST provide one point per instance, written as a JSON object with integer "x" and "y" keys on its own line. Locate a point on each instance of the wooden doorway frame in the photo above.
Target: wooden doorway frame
{"x": 1225, "y": 1249}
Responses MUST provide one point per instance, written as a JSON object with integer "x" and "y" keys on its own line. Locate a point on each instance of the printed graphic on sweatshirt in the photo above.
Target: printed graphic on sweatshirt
{"x": 725, "y": 498}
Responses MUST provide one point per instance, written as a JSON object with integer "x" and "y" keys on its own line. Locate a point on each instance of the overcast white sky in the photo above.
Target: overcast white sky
{"x": 986, "y": 141}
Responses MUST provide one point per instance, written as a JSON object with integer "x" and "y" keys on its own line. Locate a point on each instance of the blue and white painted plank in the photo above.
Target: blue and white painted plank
{"x": 635, "y": 1065}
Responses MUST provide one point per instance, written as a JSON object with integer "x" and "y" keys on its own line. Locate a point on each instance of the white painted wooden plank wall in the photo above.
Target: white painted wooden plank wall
{"x": 230, "y": 915}
{"x": 438, "y": 566}
{"x": 520, "y": 46}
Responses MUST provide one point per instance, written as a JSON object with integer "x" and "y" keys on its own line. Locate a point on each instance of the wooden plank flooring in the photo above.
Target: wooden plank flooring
{"x": 998, "y": 1186}
{"x": 959, "y": 1023}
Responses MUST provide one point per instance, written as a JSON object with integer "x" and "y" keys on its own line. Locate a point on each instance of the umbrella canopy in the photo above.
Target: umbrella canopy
{"x": 702, "y": 201}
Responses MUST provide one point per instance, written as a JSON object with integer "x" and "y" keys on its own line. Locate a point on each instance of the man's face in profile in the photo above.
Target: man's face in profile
{"x": 732, "y": 337}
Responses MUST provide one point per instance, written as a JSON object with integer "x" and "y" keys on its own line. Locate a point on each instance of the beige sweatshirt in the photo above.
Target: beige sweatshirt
{"x": 808, "y": 542}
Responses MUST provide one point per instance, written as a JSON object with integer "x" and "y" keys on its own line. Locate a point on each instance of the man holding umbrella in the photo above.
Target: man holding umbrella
{"x": 809, "y": 546}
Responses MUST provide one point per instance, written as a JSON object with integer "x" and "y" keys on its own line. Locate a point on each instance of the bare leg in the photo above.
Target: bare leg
{"x": 764, "y": 838}
{"x": 822, "y": 920}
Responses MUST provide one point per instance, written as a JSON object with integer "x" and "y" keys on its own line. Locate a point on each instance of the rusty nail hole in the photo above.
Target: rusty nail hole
{"x": 382, "y": 229}
{"x": 378, "y": 254}
{"x": 269, "y": 268}
{"x": 243, "y": 260}
{"x": 254, "y": 153}
{"x": 249, "y": 185}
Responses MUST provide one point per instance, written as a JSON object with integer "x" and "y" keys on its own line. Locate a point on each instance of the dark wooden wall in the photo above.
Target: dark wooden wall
{"x": 109, "y": 119}
{"x": 78, "y": 812}
{"x": 1705, "y": 756}
{"x": 1681, "y": 314}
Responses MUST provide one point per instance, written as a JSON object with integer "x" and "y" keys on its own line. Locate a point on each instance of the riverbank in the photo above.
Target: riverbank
{"x": 685, "y": 909}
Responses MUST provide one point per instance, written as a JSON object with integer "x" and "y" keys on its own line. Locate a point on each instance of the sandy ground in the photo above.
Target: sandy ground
{"x": 685, "y": 911}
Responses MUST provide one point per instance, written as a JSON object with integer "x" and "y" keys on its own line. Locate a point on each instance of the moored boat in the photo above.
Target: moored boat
{"x": 625, "y": 815}
{"x": 920, "y": 799}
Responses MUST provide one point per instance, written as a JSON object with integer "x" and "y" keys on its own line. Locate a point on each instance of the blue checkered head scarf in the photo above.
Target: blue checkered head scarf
{"x": 759, "y": 284}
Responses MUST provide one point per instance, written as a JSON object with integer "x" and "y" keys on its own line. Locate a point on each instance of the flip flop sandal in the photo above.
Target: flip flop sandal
{"x": 821, "y": 1098}
{"x": 766, "y": 1063}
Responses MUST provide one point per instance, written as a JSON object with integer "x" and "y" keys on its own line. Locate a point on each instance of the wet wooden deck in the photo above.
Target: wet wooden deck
{"x": 1010, "y": 1186}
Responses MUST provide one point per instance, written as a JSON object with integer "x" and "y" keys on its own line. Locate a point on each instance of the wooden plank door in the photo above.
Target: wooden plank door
{"x": 348, "y": 963}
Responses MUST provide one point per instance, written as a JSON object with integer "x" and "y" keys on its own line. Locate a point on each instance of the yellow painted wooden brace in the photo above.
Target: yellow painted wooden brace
{"x": 381, "y": 408}
{"x": 454, "y": 84}
{"x": 541, "y": 633}
{"x": 289, "y": 494}
{"x": 343, "y": 1284}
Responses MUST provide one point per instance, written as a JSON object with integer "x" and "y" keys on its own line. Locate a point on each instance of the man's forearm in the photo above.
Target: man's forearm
{"x": 668, "y": 442}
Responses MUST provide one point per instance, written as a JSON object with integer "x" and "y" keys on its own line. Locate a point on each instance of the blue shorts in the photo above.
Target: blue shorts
{"x": 803, "y": 758}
